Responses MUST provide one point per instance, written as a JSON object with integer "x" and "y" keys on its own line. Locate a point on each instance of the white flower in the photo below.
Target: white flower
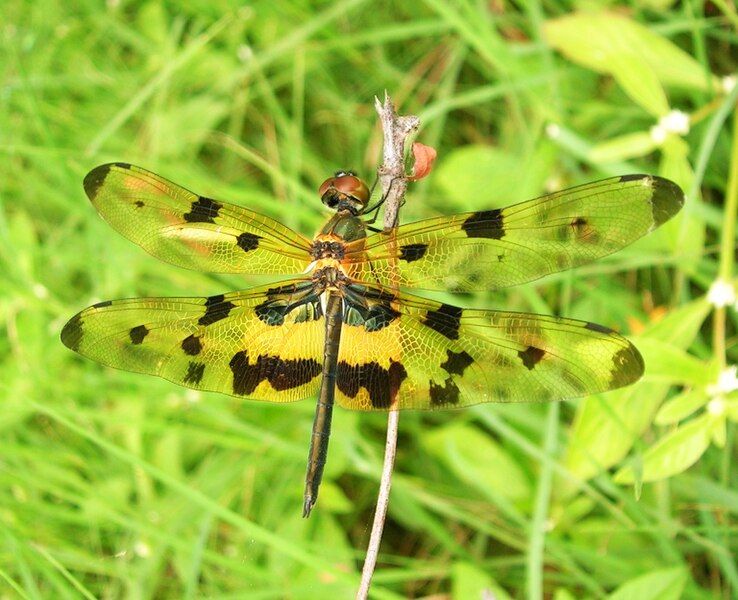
{"x": 675, "y": 121}
{"x": 726, "y": 382}
{"x": 245, "y": 53}
{"x": 658, "y": 134}
{"x": 721, "y": 293}
{"x": 142, "y": 549}
{"x": 553, "y": 130}
{"x": 728, "y": 82}
{"x": 716, "y": 406}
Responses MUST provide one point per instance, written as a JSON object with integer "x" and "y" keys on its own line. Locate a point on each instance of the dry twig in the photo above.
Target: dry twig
{"x": 392, "y": 178}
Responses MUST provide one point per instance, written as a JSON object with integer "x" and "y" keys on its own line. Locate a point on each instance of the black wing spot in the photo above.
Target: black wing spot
{"x": 102, "y": 304}
{"x": 139, "y": 204}
{"x": 192, "y": 345}
{"x": 195, "y": 371}
{"x": 216, "y": 308}
{"x": 248, "y": 241}
{"x": 381, "y": 384}
{"x": 485, "y": 224}
{"x": 598, "y": 328}
{"x": 531, "y": 356}
{"x": 413, "y": 252}
{"x": 457, "y": 362}
{"x": 71, "y": 335}
{"x": 446, "y": 320}
{"x": 443, "y": 395}
{"x": 203, "y": 210}
{"x": 280, "y": 373}
{"x": 137, "y": 334}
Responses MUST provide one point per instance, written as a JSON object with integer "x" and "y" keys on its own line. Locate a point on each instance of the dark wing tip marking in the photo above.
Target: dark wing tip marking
{"x": 531, "y": 356}
{"x": 667, "y": 200}
{"x": 457, "y": 362}
{"x": 485, "y": 224}
{"x": 413, "y": 252}
{"x": 191, "y": 345}
{"x": 216, "y": 308}
{"x": 94, "y": 179}
{"x": 627, "y": 367}
{"x": 138, "y": 333}
{"x": 598, "y": 328}
{"x": 102, "y": 304}
{"x": 248, "y": 241}
{"x": 203, "y": 210}
{"x": 195, "y": 371}
{"x": 71, "y": 334}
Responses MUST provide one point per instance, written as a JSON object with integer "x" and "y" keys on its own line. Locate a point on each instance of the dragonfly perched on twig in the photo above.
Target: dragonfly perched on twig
{"x": 340, "y": 329}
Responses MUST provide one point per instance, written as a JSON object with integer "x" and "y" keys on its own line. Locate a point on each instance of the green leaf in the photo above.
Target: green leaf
{"x": 640, "y": 82}
{"x": 674, "y": 453}
{"x": 681, "y": 406}
{"x": 460, "y": 448}
{"x": 470, "y": 582}
{"x": 484, "y": 176}
{"x": 613, "y": 44}
{"x": 630, "y": 145}
{"x": 666, "y": 362}
{"x": 606, "y": 426}
{"x": 664, "y": 584}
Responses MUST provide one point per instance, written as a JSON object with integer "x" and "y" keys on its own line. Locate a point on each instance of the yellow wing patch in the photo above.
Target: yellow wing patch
{"x": 243, "y": 344}
{"x": 422, "y": 354}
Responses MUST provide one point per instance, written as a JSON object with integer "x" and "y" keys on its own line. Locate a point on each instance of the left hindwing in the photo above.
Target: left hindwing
{"x": 264, "y": 344}
{"x": 401, "y": 351}
{"x": 191, "y": 231}
{"x": 502, "y": 247}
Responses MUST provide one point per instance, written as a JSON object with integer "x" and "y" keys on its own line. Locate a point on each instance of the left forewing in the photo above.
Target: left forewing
{"x": 192, "y": 231}
{"x": 407, "y": 352}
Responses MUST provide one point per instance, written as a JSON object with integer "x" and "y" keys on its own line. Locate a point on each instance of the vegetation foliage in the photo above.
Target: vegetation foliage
{"x": 117, "y": 485}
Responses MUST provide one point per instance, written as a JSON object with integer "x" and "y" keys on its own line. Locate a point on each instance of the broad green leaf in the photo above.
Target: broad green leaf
{"x": 606, "y": 426}
{"x": 469, "y": 582}
{"x": 460, "y": 448}
{"x": 483, "y": 176}
{"x": 674, "y": 453}
{"x": 609, "y": 43}
{"x": 639, "y": 81}
{"x": 563, "y": 594}
{"x": 665, "y": 362}
{"x": 664, "y": 584}
{"x": 731, "y": 410}
{"x": 719, "y": 431}
{"x": 681, "y": 406}
{"x": 623, "y": 147}
{"x": 685, "y": 233}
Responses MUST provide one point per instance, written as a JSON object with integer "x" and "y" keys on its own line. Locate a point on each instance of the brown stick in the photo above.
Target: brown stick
{"x": 392, "y": 178}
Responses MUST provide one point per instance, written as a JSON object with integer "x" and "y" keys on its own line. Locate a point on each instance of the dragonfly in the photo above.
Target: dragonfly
{"x": 340, "y": 328}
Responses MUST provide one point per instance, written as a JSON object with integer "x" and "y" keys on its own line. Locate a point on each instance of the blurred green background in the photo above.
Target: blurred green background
{"x": 117, "y": 485}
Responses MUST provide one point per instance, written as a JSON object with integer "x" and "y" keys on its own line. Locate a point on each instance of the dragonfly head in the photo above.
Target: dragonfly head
{"x": 344, "y": 191}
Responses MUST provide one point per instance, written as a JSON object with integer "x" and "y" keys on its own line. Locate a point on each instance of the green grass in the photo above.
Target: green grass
{"x": 115, "y": 485}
